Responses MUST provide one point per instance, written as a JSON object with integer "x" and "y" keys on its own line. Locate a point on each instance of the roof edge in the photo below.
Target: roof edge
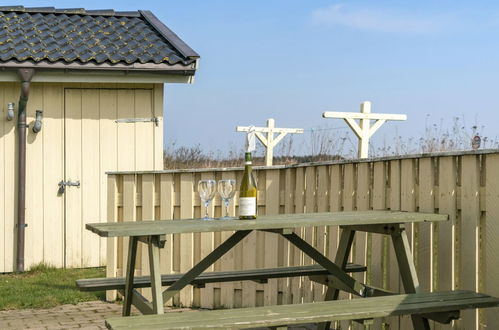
{"x": 137, "y": 67}
{"x": 169, "y": 35}
{"x": 71, "y": 11}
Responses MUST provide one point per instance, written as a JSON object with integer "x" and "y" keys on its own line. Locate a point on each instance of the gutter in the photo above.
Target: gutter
{"x": 25, "y": 75}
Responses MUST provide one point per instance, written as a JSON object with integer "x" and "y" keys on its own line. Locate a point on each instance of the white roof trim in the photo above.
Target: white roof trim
{"x": 99, "y": 77}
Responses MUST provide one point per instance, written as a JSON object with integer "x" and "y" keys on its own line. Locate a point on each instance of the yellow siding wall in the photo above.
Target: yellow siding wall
{"x": 80, "y": 140}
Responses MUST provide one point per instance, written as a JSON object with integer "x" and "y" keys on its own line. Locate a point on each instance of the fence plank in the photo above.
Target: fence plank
{"x": 112, "y": 243}
{"x": 129, "y": 211}
{"x": 349, "y": 204}
{"x": 445, "y": 233}
{"x": 227, "y": 262}
{"x": 394, "y": 204}
{"x": 298, "y": 289}
{"x": 166, "y": 202}
{"x": 408, "y": 203}
{"x": 323, "y": 185}
{"x": 308, "y": 232}
{"x": 470, "y": 226}
{"x": 148, "y": 191}
{"x": 289, "y": 207}
{"x": 271, "y": 240}
{"x": 423, "y": 243}
{"x": 490, "y": 235}
{"x": 378, "y": 267}
{"x": 186, "y": 240}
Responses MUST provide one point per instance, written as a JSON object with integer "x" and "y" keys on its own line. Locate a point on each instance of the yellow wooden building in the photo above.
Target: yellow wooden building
{"x": 81, "y": 94}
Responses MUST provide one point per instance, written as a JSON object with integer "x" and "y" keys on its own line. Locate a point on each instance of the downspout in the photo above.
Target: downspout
{"x": 26, "y": 75}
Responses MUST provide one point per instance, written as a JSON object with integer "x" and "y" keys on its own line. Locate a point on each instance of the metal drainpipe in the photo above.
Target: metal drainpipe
{"x": 26, "y": 75}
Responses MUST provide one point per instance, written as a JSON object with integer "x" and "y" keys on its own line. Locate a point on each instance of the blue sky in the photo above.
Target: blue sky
{"x": 291, "y": 60}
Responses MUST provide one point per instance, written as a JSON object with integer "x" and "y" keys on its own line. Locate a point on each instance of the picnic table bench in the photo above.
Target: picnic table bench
{"x": 441, "y": 307}
{"x": 261, "y": 275}
{"x": 430, "y": 305}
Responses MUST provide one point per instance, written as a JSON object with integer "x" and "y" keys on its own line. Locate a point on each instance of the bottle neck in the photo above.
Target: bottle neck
{"x": 248, "y": 161}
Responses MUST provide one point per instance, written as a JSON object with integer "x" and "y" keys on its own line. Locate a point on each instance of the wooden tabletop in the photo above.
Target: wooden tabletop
{"x": 281, "y": 221}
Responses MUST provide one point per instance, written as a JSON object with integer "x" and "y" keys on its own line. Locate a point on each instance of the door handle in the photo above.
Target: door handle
{"x": 63, "y": 184}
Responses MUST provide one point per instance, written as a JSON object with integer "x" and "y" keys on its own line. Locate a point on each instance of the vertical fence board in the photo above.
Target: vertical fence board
{"x": 378, "y": 268}
{"x": 298, "y": 289}
{"x": 470, "y": 215}
{"x": 491, "y": 235}
{"x": 271, "y": 239}
{"x": 308, "y": 232}
{"x": 228, "y": 262}
{"x": 424, "y": 242}
{"x": 289, "y": 207}
{"x": 335, "y": 205}
{"x": 322, "y": 206}
{"x": 408, "y": 203}
{"x": 394, "y": 204}
{"x": 148, "y": 190}
{"x": 186, "y": 240}
{"x": 445, "y": 233}
{"x": 129, "y": 210}
{"x": 361, "y": 238}
{"x": 349, "y": 204}
{"x": 166, "y": 202}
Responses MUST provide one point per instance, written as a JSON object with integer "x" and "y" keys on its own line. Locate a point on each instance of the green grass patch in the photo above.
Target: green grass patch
{"x": 44, "y": 287}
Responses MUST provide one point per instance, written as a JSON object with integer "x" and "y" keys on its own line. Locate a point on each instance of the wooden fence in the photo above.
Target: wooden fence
{"x": 463, "y": 253}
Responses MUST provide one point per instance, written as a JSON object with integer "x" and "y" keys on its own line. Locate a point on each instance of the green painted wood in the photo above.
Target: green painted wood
{"x": 282, "y": 221}
{"x": 130, "y": 271}
{"x": 408, "y": 272}
{"x": 154, "y": 268}
{"x": 367, "y": 308}
{"x": 344, "y": 247}
{"x": 118, "y": 283}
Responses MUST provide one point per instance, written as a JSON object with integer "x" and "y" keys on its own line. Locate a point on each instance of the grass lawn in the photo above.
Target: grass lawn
{"x": 45, "y": 287}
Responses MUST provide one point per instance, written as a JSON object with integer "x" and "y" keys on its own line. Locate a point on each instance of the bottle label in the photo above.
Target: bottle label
{"x": 247, "y": 206}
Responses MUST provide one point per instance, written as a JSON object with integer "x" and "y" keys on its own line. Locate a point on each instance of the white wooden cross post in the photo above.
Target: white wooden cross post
{"x": 364, "y": 130}
{"x": 269, "y": 141}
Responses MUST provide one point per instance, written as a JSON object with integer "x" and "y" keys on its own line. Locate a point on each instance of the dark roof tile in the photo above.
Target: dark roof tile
{"x": 76, "y": 34}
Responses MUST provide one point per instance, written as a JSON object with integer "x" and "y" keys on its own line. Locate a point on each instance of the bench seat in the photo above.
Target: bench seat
{"x": 259, "y": 275}
{"x": 282, "y": 315}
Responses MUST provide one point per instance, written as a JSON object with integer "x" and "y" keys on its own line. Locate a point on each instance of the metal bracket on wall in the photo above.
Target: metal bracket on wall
{"x": 155, "y": 120}
{"x": 62, "y": 185}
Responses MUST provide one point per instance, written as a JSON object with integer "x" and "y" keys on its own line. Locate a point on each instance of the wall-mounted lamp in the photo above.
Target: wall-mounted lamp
{"x": 37, "y": 127}
{"x": 10, "y": 111}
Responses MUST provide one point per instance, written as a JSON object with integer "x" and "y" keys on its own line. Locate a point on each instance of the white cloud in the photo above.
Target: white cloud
{"x": 384, "y": 20}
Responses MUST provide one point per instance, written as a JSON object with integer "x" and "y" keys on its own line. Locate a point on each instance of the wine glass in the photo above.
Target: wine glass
{"x": 207, "y": 190}
{"x": 226, "y": 189}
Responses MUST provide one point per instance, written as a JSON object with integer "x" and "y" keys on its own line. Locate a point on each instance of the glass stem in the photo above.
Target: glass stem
{"x": 226, "y": 202}
{"x": 206, "y": 209}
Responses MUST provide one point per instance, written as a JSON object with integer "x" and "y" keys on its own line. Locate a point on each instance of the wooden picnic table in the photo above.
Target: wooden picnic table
{"x": 153, "y": 234}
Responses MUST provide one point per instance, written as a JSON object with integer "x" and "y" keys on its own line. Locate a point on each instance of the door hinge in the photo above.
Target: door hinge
{"x": 155, "y": 120}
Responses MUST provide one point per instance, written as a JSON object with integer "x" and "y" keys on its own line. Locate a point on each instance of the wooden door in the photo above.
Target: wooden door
{"x": 95, "y": 143}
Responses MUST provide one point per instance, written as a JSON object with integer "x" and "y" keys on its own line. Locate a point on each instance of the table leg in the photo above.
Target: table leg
{"x": 130, "y": 272}
{"x": 341, "y": 259}
{"x": 408, "y": 272}
{"x": 154, "y": 266}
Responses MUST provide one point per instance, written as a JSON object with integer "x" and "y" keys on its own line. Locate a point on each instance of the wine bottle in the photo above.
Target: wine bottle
{"x": 247, "y": 191}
